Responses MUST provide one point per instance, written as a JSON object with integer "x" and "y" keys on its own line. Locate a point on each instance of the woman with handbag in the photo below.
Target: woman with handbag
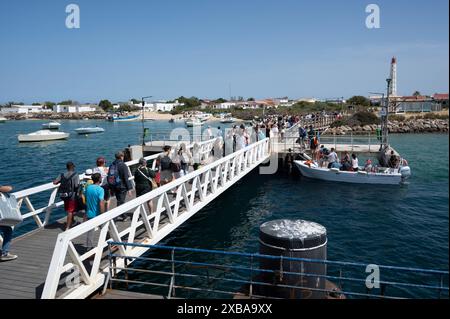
{"x": 143, "y": 178}
{"x": 6, "y": 233}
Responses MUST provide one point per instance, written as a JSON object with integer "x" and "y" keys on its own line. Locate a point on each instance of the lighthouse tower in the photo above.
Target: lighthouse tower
{"x": 393, "y": 91}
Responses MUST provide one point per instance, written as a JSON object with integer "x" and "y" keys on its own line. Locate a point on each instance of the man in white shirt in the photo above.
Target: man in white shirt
{"x": 332, "y": 158}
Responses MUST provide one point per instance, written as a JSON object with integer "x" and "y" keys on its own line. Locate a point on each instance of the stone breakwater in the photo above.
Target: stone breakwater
{"x": 412, "y": 126}
{"x": 58, "y": 116}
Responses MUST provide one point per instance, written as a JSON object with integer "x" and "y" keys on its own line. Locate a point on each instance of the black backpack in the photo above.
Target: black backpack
{"x": 113, "y": 177}
{"x": 66, "y": 188}
{"x": 176, "y": 167}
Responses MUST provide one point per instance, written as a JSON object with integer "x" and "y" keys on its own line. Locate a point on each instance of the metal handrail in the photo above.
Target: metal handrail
{"x": 316, "y": 261}
{"x": 252, "y": 281}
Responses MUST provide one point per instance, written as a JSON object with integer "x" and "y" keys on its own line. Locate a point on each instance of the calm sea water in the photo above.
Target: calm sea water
{"x": 403, "y": 226}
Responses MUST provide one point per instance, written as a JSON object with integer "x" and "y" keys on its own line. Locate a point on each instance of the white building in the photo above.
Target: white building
{"x": 73, "y": 108}
{"x": 159, "y": 106}
{"x": 225, "y": 105}
{"x": 24, "y": 109}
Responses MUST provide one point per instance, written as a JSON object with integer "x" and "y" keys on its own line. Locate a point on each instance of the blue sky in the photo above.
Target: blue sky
{"x": 262, "y": 48}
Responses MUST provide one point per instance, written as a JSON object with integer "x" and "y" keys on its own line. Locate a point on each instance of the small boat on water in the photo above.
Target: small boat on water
{"x": 203, "y": 117}
{"x": 193, "y": 122}
{"x": 89, "y": 130}
{"x": 3, "y": 119}
{"x": 42, "y": 135}
{"x": 51, "y": 126}
{"x": 126, "y": 118}
{"x": 227, "y": 119}
{"x": 386, "y": 176}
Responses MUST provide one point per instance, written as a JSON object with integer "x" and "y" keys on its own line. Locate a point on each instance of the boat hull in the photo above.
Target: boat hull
{"x": 191, "y": 124}
{"x": 39, "y": 138}
{"x": 326, "y": 174}
{"x": 89, "y": 130}
{"x": 125, "y": 118}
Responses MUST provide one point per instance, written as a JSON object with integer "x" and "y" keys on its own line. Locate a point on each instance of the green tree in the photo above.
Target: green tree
{"x": 49, "y": 105}
{"x": 66, "y": 102}
{"x": 36, "y": 104}
{"x": 105, "y": 105}
{"x": 417, "y": 93}
{"x": 135, "y": 101}
{"x": 189, "y": 102}
{"x": 359, "y": 100}
{"x": 250, "y": 99}
{"x": 125, "y": 108}
{"x": 220, "y": 100}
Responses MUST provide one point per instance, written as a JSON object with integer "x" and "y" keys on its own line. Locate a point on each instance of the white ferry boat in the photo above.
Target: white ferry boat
{"x": 389, "y": 176}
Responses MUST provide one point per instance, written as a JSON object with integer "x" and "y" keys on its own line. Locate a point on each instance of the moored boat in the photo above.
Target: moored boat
{"x": 194, "y": 122}
{"x": 387, "y": 176}
{"x": 3, "y": 119}
{"x": 51, "y": 126}
{"x": 127, "y": 118}
{"x": 89, "y": 130}
{"x": 42, "y": 135}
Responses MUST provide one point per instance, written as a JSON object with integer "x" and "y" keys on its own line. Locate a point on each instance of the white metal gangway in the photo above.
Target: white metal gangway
{"x": 192, "y": 192}
{"x": 26, "y": 196}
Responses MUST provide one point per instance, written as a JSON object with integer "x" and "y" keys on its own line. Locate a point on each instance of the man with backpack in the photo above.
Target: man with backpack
{"x": 119, "y": 179}
{"x": 68, "y": 188}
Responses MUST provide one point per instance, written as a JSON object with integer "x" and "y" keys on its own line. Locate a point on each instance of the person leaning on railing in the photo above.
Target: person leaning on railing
{"x": 6, "y": 233}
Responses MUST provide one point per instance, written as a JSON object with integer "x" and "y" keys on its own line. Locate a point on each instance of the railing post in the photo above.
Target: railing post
{"x": 351, "y": 139}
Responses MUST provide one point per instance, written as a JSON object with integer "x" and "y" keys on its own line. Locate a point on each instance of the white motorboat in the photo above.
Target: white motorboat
{"x": 193, "y": 122}
{"x": 89, "y": 130}
{"x": 42, "y": 135}
{"x": 51, "y": 126}
{"x": 228, "y": 120}
{"x": 203, "y": 117}
{"x": 390, "y": 176}
{"x": 3, "y": 119}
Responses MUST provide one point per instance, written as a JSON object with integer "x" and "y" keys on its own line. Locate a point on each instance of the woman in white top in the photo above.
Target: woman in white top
{"x": 229, "y": 142}
{"x": 240, "y": 140}
{"x": 218, "y": 148}
{"x": 355, "y": 164}
{"x": 274, "y": 131}
{"x": 186, "y": 158}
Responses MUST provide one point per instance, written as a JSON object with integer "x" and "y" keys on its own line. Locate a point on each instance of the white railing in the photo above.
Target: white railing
{"x": 319, "y": 123}
{"x": 351, "y": 142}
{"x": 24, "y": 196}
{"x": 193, "y": 192}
